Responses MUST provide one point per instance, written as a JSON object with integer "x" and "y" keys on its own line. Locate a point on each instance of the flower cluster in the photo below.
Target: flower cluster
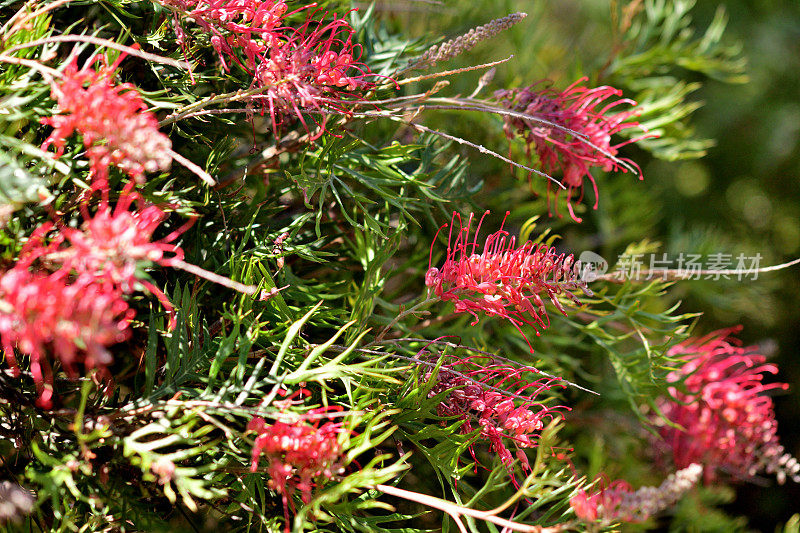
{"x": 619, "y": 502}
{"x": 477, "y": 392}
{"x": 116, "y": 128}
{"x": 569, "y": 130}
{"x": 724, "y": 419}
{"x": 111, "y": 246}
{"x": 65, "y": 294}
{"x": 247, "y": 25}
{"x": 309, "y": 68}
{"x": 76, "y": 320}
{"x": 299, "y": 69}
{"x": 503, "y": 280}
{"x": 299, "y": 448}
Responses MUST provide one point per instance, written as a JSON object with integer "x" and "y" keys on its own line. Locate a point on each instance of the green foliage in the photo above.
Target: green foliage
{"x": 328, "y": 242}
{"x": 658, "y": 49}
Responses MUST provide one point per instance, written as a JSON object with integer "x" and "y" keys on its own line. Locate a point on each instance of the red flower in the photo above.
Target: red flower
{"x": 299, "y": 448}
{"x": 116, "y": 128}
{"x": 569, "y": 131}
{"x": 251, "y": 26}
{"x": 728, "y": 422}
{"x": 309, "y": 68}
{"x": 503, "y": 280}
{"x": 485, "y": 394}
{"x": 75, "y": 321}
{"x": 111, "y": 246}
{"x": 314, "y": 68}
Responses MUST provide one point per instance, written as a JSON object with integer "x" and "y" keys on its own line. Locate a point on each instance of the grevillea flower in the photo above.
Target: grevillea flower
{"x": 314, "y": 68}
{"x": 619, "y": 502}
{"x": 727, "y": 422}
{"x": 484, "y": 395}
{"x": 504, "y": 280}
{"x": 310, "y": 68}
{"x": 76, "y": 321}
{"x": 251, "y": 26}
{"x": 111, "y": 246}
{"x": 570, "y": 130}
{"x": 112, "y": 119}
{"x": 299, "y": 448}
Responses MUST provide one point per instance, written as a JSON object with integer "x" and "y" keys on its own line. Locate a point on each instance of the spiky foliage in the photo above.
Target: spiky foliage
{"x": 217, "y": 225}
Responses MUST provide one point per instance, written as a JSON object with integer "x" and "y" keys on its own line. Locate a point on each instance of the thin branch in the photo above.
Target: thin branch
{"x": 400, "y": 316}
{"x": 212, "y": 277}
{"x": 455, "y": 71}
{"x": 202, "y": 174}
{"x": 101, "y": 42}
{"x": 457, "y": 511}
{"x": 484, "y": 150}
{"x": 30, "y": 63}
{"x": 469, "y": 105}
{"x": 422, "y": 362}
{"x": 492, "y": 356}
{"x": 478, "y": 147}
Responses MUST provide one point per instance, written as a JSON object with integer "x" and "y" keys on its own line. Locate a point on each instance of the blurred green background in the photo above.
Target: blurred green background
{"x": 742, "y": 197}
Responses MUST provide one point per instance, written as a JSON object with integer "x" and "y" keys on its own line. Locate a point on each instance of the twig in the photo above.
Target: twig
{"x": 400, "y": 316}
{"x": 482, "y": 149}
{"x": 457, "y": 511}
{"x": 30, "y": 63}
{"x": 101, "y": 42}
{"x": 211, "y": 276}
{"x": 492, "y": 356}
{"x": 202, "y": 174}
{"x": 213, "y": 99}
{"x": 455, "y": 71}
{"x": 422, "y": 362}
{"x": 468, "y": 105}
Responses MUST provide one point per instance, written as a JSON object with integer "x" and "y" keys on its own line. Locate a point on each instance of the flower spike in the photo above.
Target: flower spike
{"x": 504, "y": 280}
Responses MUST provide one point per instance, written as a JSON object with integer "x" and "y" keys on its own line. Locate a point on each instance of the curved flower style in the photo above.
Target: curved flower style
{"x": 76, "y": 321}
{"x": 619, "y": 502}
{"x": 568, "y": 131}
{"x": 486, "y": 393}
{"x": 503, "y": 280}
{"x": 728, "y": 422}
{"x": 116, "y": 128}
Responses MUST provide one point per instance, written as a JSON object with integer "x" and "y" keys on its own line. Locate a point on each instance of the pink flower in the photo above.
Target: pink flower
{"x": 486, "y": 394}
{"x": 728, "y": 422}
{"x": 251, "y": 26}
{"x": 112, "y": 246}
{"x": 116, "y": 128}
{"x": 503, "y": 280}
{"x": 314, "y": 68}
{"x": 309, "y": 68}
{"x": 569, "y": 132}
{"x": 76, "y": 321}
{"x": 299, "y": 448}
